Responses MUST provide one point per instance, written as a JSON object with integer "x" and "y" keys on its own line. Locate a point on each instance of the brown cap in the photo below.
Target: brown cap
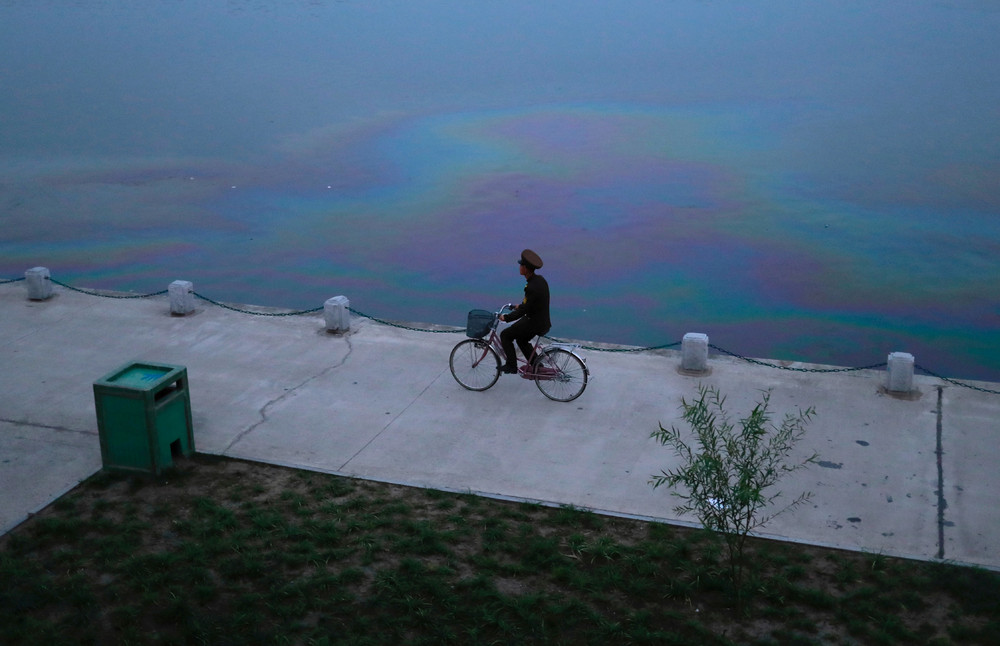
{"x": 530, "y": 259}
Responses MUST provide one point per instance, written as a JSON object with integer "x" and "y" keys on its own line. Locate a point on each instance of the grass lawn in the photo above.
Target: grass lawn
{"x": 222, "y": 551}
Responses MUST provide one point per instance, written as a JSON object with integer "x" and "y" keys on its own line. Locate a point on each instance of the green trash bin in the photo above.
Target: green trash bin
{"x": 144, "y": 416}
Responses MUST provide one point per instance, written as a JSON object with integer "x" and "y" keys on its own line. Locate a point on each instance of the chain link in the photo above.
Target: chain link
{"x": 553, "y": 339}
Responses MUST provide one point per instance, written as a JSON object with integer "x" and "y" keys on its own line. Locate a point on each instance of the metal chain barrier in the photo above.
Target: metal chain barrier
{"x": 553, "y": 339}
{"x": 597, "y": 349}
{"x": 956, "y": 383}
{"x": 403, "y": 327}
{"x": 242, "y": 311}
{"x": 771, "y": 365}
{"x": 96, "y": 293}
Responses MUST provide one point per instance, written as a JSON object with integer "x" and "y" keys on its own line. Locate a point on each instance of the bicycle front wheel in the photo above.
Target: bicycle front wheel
{"x": 561, "y": 375}
{"x": 474, "y": 364}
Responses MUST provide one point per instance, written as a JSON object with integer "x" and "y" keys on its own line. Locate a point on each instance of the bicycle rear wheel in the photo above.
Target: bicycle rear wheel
{"x": 474, "y": 364}
{"x": 561, "y": 375}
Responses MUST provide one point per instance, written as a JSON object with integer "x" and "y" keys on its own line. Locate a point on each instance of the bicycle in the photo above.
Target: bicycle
{"x": 476, "y": 362}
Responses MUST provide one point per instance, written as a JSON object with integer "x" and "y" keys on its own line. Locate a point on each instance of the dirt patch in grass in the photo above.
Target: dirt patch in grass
{"x": 223, "y": 551}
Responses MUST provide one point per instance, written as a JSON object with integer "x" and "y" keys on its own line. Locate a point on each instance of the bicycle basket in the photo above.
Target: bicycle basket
{"x": 479, "y": 324}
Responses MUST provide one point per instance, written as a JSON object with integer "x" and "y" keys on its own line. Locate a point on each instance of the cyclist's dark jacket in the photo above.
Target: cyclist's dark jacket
{"x": 535, "y": 305}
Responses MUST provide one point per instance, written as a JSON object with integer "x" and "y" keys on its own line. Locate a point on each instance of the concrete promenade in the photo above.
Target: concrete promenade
{"x": 911, "y": 477}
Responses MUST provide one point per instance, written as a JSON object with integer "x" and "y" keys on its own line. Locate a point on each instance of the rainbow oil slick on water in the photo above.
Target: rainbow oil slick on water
{"x": 772, "y": 188}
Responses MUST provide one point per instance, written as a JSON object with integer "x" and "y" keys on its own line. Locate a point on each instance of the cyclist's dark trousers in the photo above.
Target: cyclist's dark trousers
{"x": 522, "y": 331}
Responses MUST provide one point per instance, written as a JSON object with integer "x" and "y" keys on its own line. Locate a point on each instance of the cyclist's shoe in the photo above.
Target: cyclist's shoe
{"x": 509, "y": 370}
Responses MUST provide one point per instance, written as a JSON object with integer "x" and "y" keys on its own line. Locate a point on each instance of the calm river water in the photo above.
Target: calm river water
{"x": 805, "y": 180}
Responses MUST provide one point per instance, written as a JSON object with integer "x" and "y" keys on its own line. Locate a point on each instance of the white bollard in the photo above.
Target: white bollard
{"x": 181, "y": 297}
{"x": 39, "y": 283}
{"x": 900, "y": 372}
{"x": 337, "y": 314}
{"x": 694, "y": 353}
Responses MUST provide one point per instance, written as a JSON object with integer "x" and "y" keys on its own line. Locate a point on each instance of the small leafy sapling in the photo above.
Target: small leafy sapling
{"x": 727, "y": 476}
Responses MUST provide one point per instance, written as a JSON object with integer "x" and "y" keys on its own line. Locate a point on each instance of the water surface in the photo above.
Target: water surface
{"x": 809, "y": 181}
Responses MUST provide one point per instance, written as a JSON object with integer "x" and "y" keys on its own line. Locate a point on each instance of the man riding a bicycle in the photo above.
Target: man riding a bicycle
{"x": 531, "y": 316}
{"x": 477, "y": 362}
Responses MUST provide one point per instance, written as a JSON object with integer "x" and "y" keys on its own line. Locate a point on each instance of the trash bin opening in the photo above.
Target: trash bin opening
{"x": 177, "y": 386}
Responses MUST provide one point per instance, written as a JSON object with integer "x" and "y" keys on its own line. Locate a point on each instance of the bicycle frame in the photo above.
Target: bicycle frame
{"x": 556, "y": 369}
{"x": 525, "y": 370}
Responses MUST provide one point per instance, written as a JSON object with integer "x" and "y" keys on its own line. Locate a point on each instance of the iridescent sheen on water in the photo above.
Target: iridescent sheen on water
{"x": 810, "y": 181}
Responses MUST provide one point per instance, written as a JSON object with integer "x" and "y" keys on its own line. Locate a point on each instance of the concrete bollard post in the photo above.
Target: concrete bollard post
{"x": 181, "y": 297}
{"x": 900, "y": 372}
{"x": 337, "y": 314}
{"x": 39, "y": 283}
{"x": 694, "y": 353}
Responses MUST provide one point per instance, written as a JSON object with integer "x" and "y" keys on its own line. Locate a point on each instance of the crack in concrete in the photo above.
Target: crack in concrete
{"x": 263, "y": 409}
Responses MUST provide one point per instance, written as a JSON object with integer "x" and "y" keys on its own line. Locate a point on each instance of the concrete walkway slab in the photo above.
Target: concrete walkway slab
{"x": 910, "y": 477}
{"x": 40, "y": 464}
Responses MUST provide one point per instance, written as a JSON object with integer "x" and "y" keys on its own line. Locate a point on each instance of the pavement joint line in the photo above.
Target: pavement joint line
{"x": 16, "y": 341}
{"x": 942, "y": 504}
{"x": 49, "y": 427}
{"x": 393, "y": 420}
{"x": 263, "y": 409}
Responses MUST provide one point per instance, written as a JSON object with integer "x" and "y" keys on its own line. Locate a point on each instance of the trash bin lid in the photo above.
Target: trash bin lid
{"x": 139, "y": 376}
